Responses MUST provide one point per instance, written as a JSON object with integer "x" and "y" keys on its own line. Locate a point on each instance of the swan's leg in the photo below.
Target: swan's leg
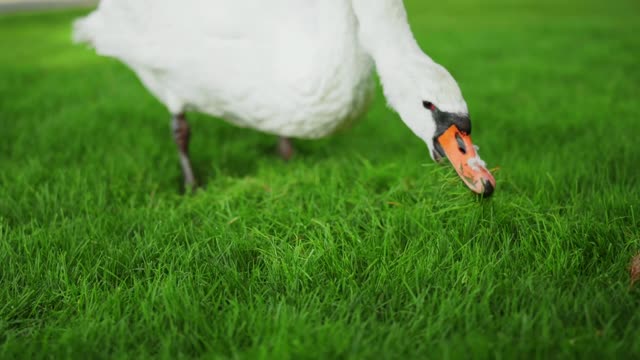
{"x": 181, "y": 134}
{"x": 285, "y": 148}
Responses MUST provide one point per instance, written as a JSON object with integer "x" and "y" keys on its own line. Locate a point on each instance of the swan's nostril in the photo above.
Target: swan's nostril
{"x": 461, "y": 145}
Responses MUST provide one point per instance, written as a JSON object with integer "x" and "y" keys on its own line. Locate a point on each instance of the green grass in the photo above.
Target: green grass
{"x": 360, "y": 247}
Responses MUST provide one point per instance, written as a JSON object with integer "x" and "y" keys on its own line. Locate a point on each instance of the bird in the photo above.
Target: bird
{"x": 290, "y": 68}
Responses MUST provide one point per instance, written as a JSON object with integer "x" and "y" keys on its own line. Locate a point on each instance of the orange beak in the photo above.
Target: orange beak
{"x": 459, "y": 149}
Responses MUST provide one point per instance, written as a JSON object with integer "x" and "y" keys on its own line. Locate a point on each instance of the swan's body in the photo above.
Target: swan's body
{"x": 286, "y": 67}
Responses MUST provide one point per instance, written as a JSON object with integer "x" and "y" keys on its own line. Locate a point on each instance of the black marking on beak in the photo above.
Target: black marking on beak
{"x": 444, "y": 120}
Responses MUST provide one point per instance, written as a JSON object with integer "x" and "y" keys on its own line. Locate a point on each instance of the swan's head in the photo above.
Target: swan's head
{"x": 431, "y": 104}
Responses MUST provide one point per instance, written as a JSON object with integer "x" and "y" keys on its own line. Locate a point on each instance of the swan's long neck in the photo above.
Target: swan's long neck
{"x": 385, "y": 34}
{"x": 384, "y": 29}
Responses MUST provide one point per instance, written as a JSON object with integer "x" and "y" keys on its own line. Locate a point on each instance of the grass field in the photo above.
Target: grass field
{"x": 359, "y": 248}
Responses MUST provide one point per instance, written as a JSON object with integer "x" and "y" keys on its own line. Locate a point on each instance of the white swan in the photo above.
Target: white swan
{"x": 286, "y": 67}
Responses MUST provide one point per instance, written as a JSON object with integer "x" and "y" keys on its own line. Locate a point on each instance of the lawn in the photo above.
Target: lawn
{"x": 360, "y": 247}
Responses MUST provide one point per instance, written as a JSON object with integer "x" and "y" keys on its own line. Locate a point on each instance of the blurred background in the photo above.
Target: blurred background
{"x": 26, "y": 5}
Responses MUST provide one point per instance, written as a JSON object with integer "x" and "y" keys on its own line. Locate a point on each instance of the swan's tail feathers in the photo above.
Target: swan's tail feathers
{"x": 84, "y": 31}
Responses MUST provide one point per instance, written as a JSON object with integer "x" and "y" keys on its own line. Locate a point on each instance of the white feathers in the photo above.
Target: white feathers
{"x": 287, "y": 67}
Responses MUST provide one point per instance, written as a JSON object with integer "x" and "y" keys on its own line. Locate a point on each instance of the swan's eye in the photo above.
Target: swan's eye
{"x": 428, "y": 105}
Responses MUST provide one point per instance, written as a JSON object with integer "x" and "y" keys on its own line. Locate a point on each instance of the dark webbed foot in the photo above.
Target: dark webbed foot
{"x": 181, "y": 135}
{"x": 285, "y": 148}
